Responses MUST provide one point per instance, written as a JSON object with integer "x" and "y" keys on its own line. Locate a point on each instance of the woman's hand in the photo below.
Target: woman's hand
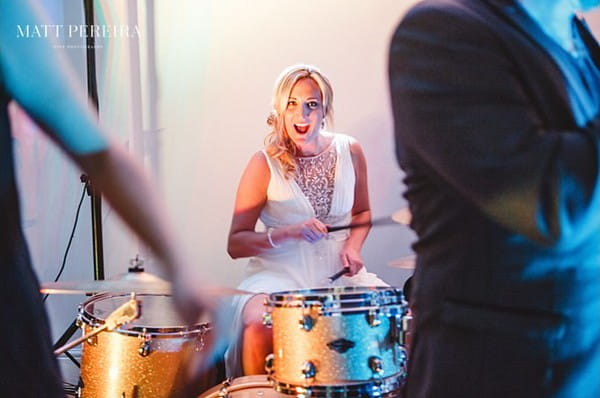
{"x": 351, "y": 258}
{"x": 311, "y": 230}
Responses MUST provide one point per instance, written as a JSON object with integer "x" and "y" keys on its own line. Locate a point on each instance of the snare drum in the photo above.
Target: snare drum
{"x": 138, "y": 359}
{"x": 343, "y": 341}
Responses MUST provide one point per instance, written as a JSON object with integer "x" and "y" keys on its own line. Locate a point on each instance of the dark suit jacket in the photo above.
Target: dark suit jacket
{"x": 503, "y": 185}
{"x": 28, "y": 366}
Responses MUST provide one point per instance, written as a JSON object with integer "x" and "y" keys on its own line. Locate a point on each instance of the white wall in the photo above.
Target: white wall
{"x": 217, "y": 62}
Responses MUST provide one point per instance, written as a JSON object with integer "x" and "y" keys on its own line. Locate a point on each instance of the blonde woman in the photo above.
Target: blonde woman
{"x": 305, "y": 179}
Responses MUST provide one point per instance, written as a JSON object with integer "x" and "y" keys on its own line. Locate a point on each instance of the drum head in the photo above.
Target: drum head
{"x": 158, "y": 313}
{"x": 244, "y": 387}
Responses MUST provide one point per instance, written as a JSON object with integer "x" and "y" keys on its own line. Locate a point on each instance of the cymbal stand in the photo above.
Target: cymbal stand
{"x": 98, "y": 252}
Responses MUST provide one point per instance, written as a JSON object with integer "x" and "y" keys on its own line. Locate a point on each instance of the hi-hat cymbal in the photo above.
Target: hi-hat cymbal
{"x": 407, "y": 262}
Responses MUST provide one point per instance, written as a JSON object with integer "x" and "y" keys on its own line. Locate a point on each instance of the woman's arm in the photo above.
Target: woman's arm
{"x": 361, "y": 212}
{"x": 250, "y": 199}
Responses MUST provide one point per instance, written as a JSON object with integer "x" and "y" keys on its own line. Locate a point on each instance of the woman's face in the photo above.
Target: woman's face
{"x": 303, "y": 116}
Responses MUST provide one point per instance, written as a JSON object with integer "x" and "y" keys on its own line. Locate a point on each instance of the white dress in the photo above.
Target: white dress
{"x": 298, "y": 264}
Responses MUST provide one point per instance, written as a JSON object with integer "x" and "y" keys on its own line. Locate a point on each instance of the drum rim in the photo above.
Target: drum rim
{"x": 361, "y": 298}
{"x": 347, "y": 389}
{"x": 229, "y": 385}
{"x": 179, "y": 330}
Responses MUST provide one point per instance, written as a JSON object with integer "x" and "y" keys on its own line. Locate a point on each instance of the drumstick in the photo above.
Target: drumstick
{"x": 338, "y": 274}
{"x": 374, "y": 223}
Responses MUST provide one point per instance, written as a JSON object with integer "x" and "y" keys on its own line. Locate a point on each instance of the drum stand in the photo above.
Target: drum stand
{"x": 94, "y": 194}
{"x": 63, "y": 340}
{"x": 98, "y": 259}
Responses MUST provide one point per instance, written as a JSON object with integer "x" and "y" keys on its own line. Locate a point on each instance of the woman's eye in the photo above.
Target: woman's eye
{"x": 291, "y": 103}
{"x": 313, "y": 104}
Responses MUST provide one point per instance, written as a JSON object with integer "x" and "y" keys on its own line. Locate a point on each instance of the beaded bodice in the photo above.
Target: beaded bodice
{"x": 315, "y": 175}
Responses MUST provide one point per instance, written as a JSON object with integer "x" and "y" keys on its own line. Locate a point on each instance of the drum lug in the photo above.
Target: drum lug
{"x": 402, "y": 356}
{"x": 327, "y": 305}
{"x": 396, "y": 332}
{"x": 267, "y": 319}
{"x": 373, "y": 318}
{"x": 223, "y": 391}
{"x": 406, "y": 320}
{"x": 144, "y": 349}
{"x": 269, "y": 363}
{"x": 92, "y": 340}
{"x": 376, "y": 365}
{"x": 309, "y": 370}
{"x": 200, "y": 343}
{"x": 306, "y": 323}
{"x": 400, "y": 328}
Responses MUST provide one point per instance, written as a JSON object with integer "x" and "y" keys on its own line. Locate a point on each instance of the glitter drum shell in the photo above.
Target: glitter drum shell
{"x": 342, "y": 341}
{"x": 141, "y": 358}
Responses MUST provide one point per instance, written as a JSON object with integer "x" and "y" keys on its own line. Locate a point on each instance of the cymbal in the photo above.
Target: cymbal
{"x": 402, "y": 216}
{"x": 107, "y": 285}
{"x": 407, "y": 262}
{"x": 136, "y": 282}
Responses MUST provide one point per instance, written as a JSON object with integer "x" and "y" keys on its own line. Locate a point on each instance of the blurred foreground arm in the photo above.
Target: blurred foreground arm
{"x": 36, "y": 74}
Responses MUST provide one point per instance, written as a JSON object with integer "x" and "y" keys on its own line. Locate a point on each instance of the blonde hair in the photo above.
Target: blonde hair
{"x": 278, "y": 143}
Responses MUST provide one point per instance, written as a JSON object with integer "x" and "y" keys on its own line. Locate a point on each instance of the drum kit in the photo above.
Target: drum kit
{"x": 134, "y": 343}
{"x": 330, "y": 342}
{"x": 327, "y": 342}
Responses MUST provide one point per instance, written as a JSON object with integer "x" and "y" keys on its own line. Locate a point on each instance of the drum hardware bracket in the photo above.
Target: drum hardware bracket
{"x": 224, "y": 388}
{"x": 269, "y": 359}
{"x": 376, "y": 298}
{"x": 403, "y": 357}
{"x": 309, "y": 370}
{"x": 341, "y": 345}
{"x": 92, "y": 340}
{"x": 306, "y": 323}
{"x": 267, "y": 319}
{"x": 406, "y": 320}
{"x": 125, "y": 313}
{"x": 145, "y": 346}
{"x": 373, "y": 317}
{"x": 200, "y": 343}
{"x": 396, "y": 332}
{"x": 328, "y": 303}
{"x": 376, "y": 365}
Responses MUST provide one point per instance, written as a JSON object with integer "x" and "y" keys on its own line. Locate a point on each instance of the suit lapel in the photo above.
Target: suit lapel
{"x": 579, "y": 98}
{"x": 515, "y": 14}
{"x": 590, "y": 42}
